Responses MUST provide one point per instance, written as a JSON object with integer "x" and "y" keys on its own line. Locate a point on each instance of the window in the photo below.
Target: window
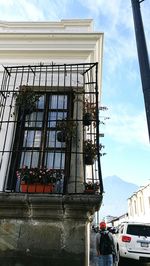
{"x": 138, "y": 230}
{"x": 36, "y": 143}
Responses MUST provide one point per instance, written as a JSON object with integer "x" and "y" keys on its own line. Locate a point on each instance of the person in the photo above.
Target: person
{"x": 105, "y": 247}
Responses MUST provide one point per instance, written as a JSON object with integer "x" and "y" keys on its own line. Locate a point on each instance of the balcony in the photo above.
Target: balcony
{"x": 49, "y": 129}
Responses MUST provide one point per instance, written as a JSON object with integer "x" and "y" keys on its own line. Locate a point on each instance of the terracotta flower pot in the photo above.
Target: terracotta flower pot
{"x": 88, "y": 190}
{"x": 28, "y": 188}
{"x": 37, "y": 188}
{"x": 42, "y": 188}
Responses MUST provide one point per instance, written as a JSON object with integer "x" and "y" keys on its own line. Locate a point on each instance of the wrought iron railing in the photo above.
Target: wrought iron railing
{"x": 49, "y": 129}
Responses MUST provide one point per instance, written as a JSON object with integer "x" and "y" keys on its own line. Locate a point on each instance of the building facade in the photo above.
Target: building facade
{"x": 51, "y": 182}
{"x": 139, "y": 205}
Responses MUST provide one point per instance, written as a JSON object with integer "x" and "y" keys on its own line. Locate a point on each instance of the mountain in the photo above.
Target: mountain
{"x": 116, "y": 193}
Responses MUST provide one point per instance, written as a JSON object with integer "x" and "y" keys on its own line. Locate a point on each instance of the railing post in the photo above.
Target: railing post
{"x": 143, "y": 56}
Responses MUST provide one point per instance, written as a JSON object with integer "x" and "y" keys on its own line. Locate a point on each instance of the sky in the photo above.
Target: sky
{"x": 125, "y": 132}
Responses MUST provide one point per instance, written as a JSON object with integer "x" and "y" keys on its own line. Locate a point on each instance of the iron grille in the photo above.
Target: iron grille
{"x": 39, "y": 106}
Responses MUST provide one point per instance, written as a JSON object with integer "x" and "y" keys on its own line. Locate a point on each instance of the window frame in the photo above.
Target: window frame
{"x": 18, "y": 148}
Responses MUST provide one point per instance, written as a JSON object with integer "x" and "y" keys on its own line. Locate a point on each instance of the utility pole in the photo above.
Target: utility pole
{"x": 143, "y": 56}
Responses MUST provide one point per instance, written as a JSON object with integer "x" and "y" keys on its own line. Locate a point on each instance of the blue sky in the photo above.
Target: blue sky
{"x": 126, "y": 135}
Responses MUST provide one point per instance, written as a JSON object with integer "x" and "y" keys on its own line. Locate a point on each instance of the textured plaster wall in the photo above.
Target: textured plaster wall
{"x": 45, "y": 229}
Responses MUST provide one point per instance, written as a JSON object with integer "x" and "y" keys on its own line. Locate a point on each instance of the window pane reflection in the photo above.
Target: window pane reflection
{"x": 53, "y": 116}
{"x": 34, "y": 120}
{"x": 52, "y": 142}
{"x": 29, "y": 158}
{"x": 58, "y": 102}
{"x": 41, "y": 102}
{"x": 32, "y": 138}
{"x": 55, "y": 160}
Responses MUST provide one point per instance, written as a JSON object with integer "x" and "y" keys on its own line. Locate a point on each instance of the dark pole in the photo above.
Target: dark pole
{"x": 143, "y": 56}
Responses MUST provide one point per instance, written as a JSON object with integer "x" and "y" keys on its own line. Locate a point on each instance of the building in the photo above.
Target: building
{"x": 49, "y": 119}
{"x": 139, "y": 205}
{"x": 118, "y": 220}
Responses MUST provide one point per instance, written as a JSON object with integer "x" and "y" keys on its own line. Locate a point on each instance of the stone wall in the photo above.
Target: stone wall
{"x": 42, "y": 229}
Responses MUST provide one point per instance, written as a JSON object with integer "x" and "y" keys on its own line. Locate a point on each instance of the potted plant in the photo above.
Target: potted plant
{"x": 90, "y": 152}
{"x": 91, "y": 187}
{"x": 89, "y": 113}
{"x": 26, "y": 99}
{"x": 66, "y": 129}
{"x": 36, "y": 179}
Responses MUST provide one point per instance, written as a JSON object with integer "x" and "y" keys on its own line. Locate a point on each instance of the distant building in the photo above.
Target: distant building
{"x": 138, "y": 208}
{"x": 115, "y": 221}
{"x": 139, "y": 205}
{"x": 109, "y": 218}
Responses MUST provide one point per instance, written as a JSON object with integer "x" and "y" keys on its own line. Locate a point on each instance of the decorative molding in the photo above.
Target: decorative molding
{"x": 44, "y": 206}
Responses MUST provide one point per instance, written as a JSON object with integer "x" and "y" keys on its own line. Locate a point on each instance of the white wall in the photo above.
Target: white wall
{"x": 139, "y": 205}
{"x": 64, "y": 42}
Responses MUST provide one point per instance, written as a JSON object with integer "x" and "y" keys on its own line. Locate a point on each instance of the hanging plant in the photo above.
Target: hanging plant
{"x": 26, "y": 99}
{"x": 66, "y": 129}
{"x": 90, "y": 152}
{"x": 89, "y": 113}
{"x": 87, "y": 119}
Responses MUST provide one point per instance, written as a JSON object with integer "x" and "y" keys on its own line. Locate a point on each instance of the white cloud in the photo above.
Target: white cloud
{"x": 35, "y": 10}
{"x": 128, "y": 128}
{"x": 30, "y": 10}
{"x": 6, "y": 3}
{"x": 115, "y": 19}
{"x": 20, "y": 10}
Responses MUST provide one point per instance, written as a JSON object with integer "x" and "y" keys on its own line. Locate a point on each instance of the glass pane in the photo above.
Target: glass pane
{"x": 138, "y": 230}
{"x": 29, "y": 158}
{"x": 34, "y": 120}
{"x": 32, "y": 138}
{"x": 53, "y": 116}
{"x": 55, "y": 160}
{"x": 41, "y": 102}
{"x": 52, "y": 140}
{"x": 58, "y": 102}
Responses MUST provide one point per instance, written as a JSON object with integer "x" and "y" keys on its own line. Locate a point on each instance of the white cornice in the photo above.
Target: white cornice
{"x": 67, "y": 41}
{"x": 52, "y": 42}
{"x": 70, "y": 22}
{"x": 78, "y": 25}
{"x": 55, "y": 35}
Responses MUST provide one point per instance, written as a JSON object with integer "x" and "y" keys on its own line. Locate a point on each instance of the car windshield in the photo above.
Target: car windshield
{"x": 138, "y": 230}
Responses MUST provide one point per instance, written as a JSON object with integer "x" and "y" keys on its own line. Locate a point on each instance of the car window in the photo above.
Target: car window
{"x": 138, "y": 230}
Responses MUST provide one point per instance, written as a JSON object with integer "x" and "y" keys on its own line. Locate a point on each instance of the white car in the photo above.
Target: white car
{"x": 133, "y": 241}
